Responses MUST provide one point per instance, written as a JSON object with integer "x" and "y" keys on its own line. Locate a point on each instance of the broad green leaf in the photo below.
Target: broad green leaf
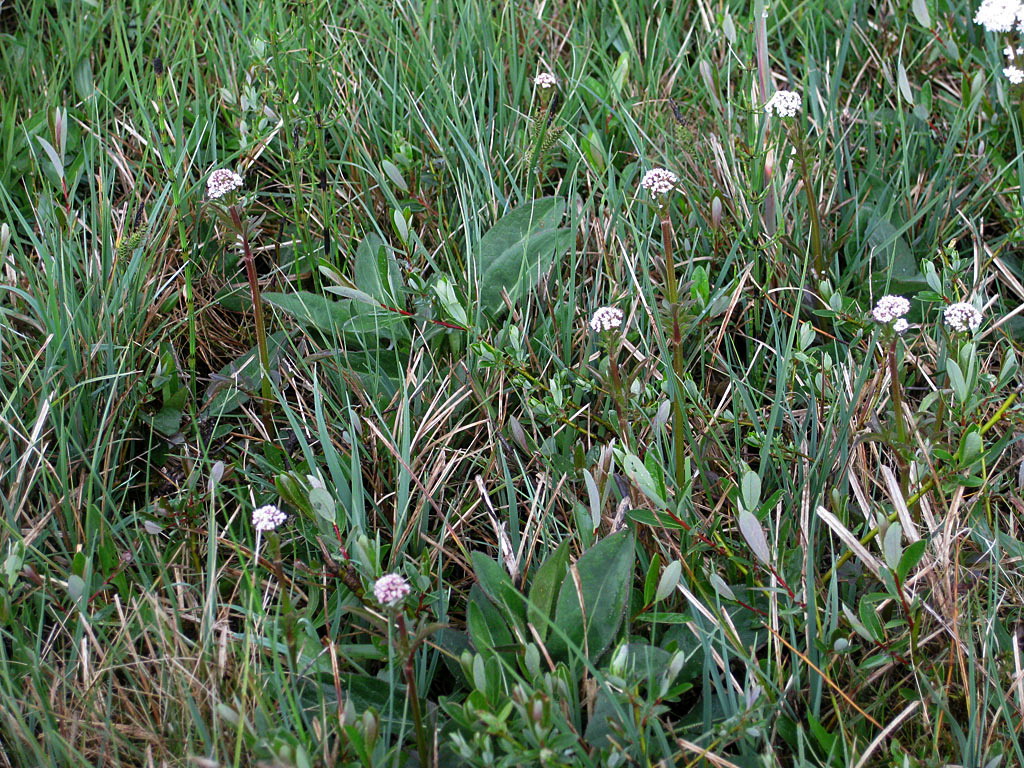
{"x": 957, "y": 381}
{"x": 892, "y": 546}
{"x": 669, "y": 580}
{"x": 911, "y": 557}
{"x": 487, "y": 627}
{"x": 654, "y": 519}
{"x": 904, "y": 83}
{"x": 750, "y": 491}
{"x": 497, "y": 585}
{"x": 394, "y": 175}
{"x": 323, "y": 503}
{"x": 651, "y": 579}
{"x": 545, "y": 586}
{"x": 641, "y": 476}
{"x": 519, "y": 249}
{"x": 356, "y": 319}
{"x": 590, "y": 624}
{"x": 971, "y": 446}
{"x": 76, "y": 588}
{"x": 753, "y": 533}
{"x": 920, "y": 9}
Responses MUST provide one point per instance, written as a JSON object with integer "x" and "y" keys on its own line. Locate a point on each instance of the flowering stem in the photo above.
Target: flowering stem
{"x": 618, "y": 391}
{"x": 261, "y": 330}
{"x": 413, "y": 697}
{"x": 897, "y": 396}
{"x": 812, "y": 205}
{"x": 672, "y": 288}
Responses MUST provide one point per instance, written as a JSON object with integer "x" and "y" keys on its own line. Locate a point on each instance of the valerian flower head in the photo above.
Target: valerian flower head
{"x": 221, "y": 182}
{"x": 605, "y": 319}
{"x": 900, "y": 326}
{"x": 267, "y": 518}
{"x": 999, "y": 15}
{"x": 890, "y": 308}
{"x": 659, "y": 182}
{"x": 784, "y": 104}
{"x": 545, "y": 80}
{"x": 1014, "y": 74}
{"x": 962, "y": 317}
{"x": 390, "y": 589}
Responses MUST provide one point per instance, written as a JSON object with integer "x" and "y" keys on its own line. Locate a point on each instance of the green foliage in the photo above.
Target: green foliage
{"x": 753, "y": 527}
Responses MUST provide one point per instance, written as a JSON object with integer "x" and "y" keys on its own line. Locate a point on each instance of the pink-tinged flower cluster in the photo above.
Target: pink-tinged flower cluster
{"x": 962, "y": 317}
{"x": 659, "y": 182}
{"x": 545, "y": 80}
{"x": 784, "y": 104}
{"x": 390, "y": 589}
{"x": 221, "y": 182}
{"x": 605, "y": 319}
{"x": 267, "y": 518}
{"x": 890, "y": 309}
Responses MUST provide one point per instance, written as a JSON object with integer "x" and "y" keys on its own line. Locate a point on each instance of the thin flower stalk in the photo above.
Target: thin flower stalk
{"x": 261, "y": 329}
{"x": 672, "y": 291}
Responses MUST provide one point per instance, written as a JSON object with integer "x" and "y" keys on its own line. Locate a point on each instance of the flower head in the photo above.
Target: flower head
{"x": 221, "y": 182}
{"x": 962, "y": 317}
{"x": 1014, "y": 74}
{"x": 784, "y": 104}
{"x": 267, "y": 518}
{"x": 999, "y": 15}
{"x": 659, "y": 182}
{"x": 545, "y": 80}
{"x": 890, "y": 308}
{"x": 390, "y": 589}
{"x": 606, "y": 318}
{"x": 900, "y": 326}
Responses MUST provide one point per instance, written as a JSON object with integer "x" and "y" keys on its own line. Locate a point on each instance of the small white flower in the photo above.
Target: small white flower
{"x": 267, "y": 518}
{"x": 545, "y": 80}
{"x": 1011, "y": 53}
{"x": 1014, "y": 74}
{"x": 999, "y": 15}
{"x": 659, "y": 182}
{"x": 900, "y": 326}
{"x": 784, "y": 104}
{"x": 890, "y": 308}
{"x": 606, "y": 318}
{"x": 390, "y": 589}
{"x": 962, "y": 317}
{"x": 221, "y": 182}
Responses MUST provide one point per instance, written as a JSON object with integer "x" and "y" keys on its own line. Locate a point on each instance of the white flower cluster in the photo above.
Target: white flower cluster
{"x": 390, "y": 589}
{"x": 962, "y": 317}
{"x": 1000, "y": 15}
{"x": 1004, "y": 16}
{"x": 659, "y": 182}
{"x": 545, "y": 80}
{"x": 221, "y": 182}
{"x": 784, "y": 104}
{"x": 267, "y": 518}
{"x": 605, "y": 319}
{"x": 890, "y": 309}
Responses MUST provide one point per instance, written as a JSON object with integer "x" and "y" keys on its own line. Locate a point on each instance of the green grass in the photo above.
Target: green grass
{"x": 710, "y": 540}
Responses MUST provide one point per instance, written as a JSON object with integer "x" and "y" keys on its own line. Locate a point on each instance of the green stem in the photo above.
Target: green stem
{"x": 897, "y": 396}
{"x": 817, "y": 252}
{"x": 414, "y": 700}
{"x": 672, "y": 293}
{"x": 261, "y": 329}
